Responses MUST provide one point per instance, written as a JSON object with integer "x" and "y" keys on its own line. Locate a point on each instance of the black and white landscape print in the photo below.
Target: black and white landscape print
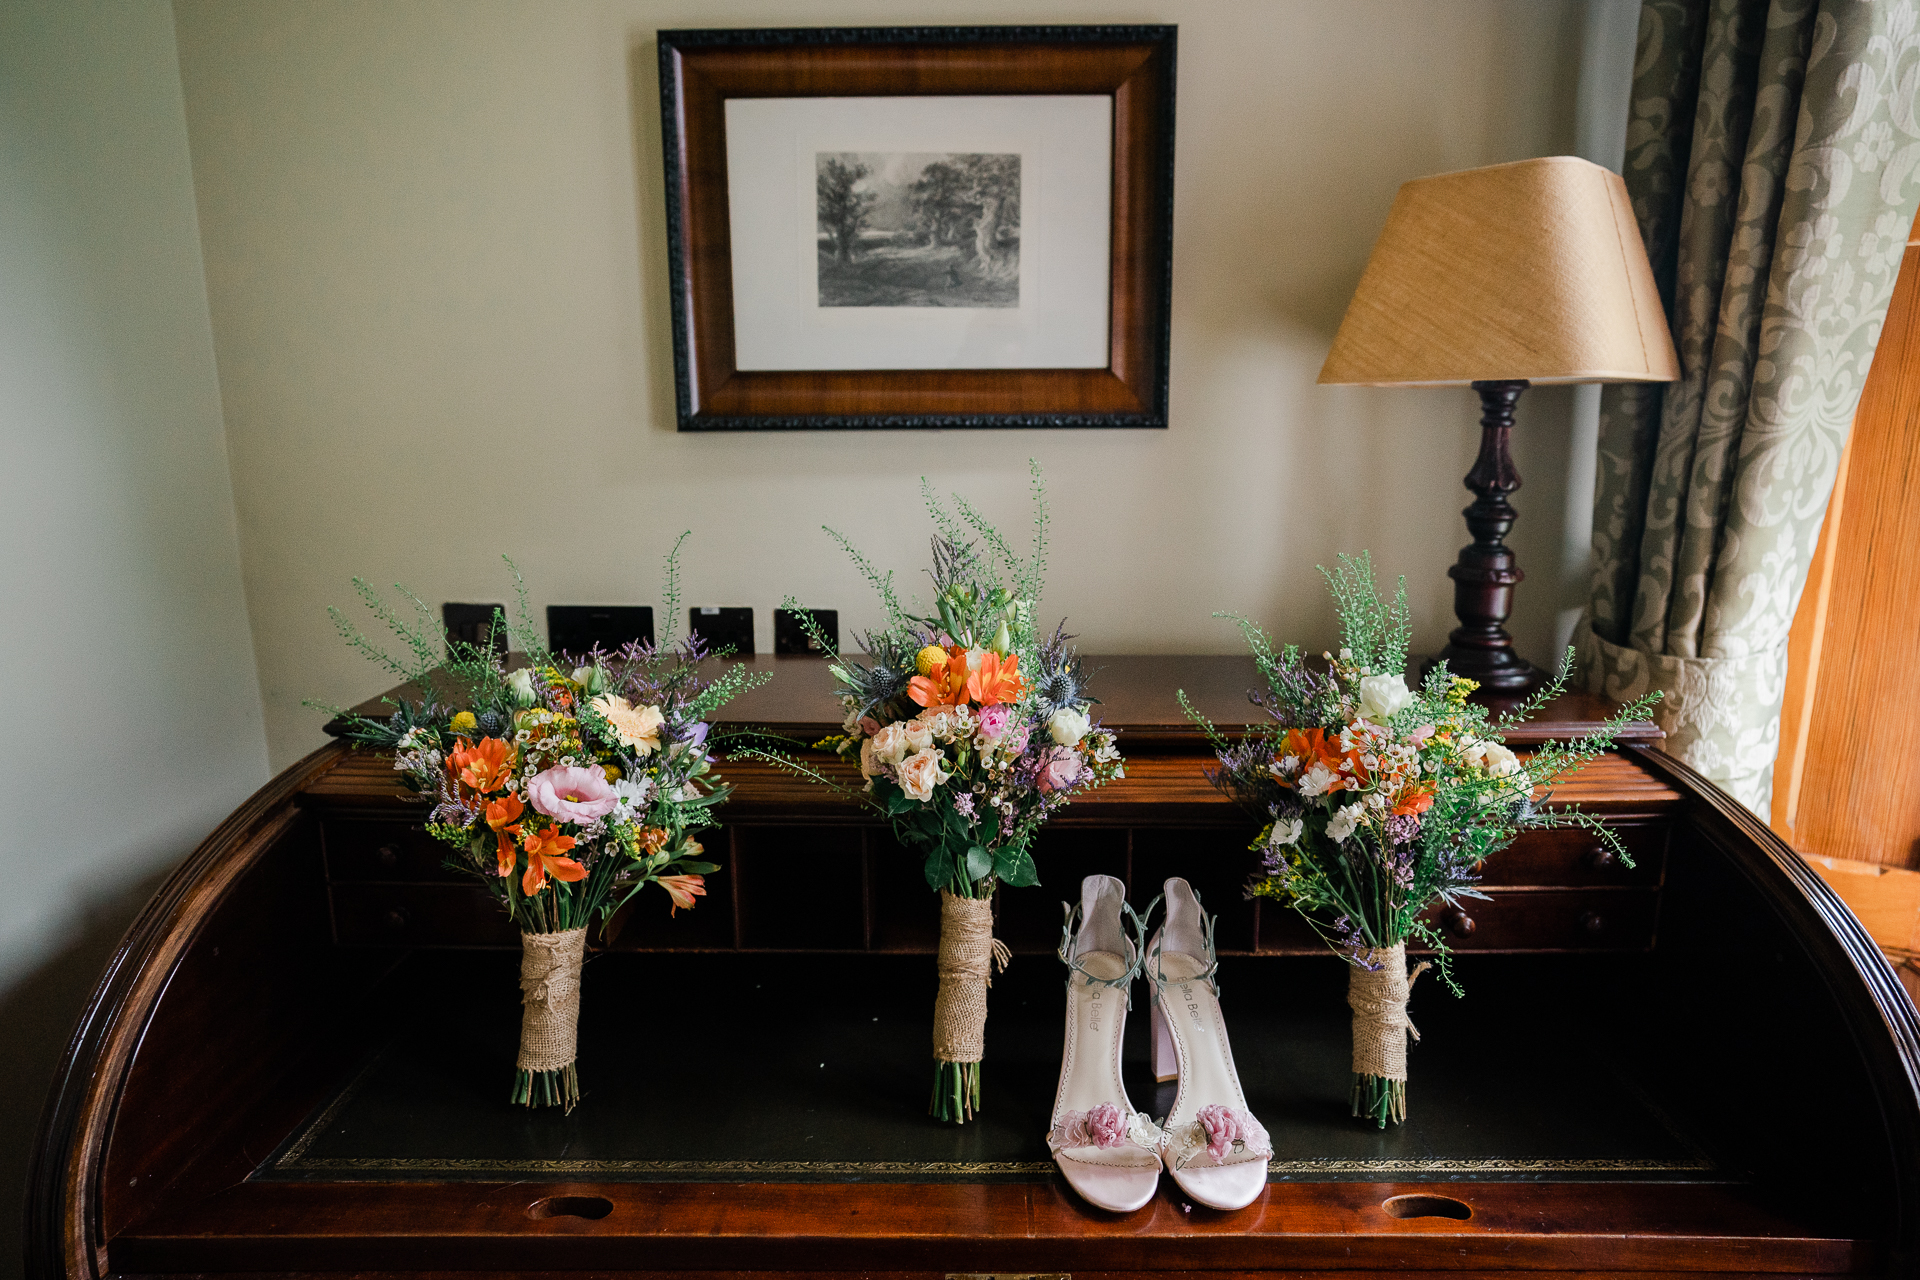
{"x": 918, "y": 229}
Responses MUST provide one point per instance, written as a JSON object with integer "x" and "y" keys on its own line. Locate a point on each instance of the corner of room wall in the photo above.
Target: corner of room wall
{"x": 134, "y": 715}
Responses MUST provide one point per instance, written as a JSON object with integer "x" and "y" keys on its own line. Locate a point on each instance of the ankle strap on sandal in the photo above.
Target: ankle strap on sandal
{"x": 1070, "y": 932}
{"x": 1209, "y": 975}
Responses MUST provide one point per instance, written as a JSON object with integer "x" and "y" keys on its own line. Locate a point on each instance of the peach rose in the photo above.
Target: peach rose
{"x": 890, "y": 744}
{"x": 920, "y": 773}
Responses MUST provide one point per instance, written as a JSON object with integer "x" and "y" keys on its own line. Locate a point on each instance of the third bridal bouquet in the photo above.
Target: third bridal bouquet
{"x": 1382, "y": 800}
{"x": 971, "y": 728}
{"x": 567, "y": 785}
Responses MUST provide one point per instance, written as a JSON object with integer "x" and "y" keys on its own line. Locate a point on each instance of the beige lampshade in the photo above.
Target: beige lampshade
{"x": 1530, "y": 270}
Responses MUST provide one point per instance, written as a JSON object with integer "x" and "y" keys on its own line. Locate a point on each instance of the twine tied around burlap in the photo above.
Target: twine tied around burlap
{"x": 968, "y": 952}
{"x": 1378, "y": 998}
{"x": 550, "y": 990}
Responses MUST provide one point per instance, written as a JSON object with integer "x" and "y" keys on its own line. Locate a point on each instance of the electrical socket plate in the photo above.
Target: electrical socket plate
{"x": 467, "y": 623}
{"x": 723, "y": 629}
{"x": 790, "y": 637}
{"x": 573, "y": 629}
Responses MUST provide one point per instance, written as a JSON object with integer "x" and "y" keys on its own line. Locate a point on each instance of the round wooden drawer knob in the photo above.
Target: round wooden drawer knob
{"x": 1459, "y": 923}
{"x": 1592, "y": 922}
{"x": 1602, "y": 859}
{"x": 396, "y": 919}
{"x": 389, "y": 856}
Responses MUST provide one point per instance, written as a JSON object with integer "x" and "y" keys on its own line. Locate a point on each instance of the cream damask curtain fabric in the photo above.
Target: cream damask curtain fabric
{"x": 1773, "y": 157}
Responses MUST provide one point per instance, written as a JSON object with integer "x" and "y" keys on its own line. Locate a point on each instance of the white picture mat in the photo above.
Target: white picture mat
{"x": 1065, "y": 144}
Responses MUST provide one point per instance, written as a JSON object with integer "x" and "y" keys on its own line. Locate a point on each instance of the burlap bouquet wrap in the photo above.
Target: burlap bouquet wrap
{"x": 1378, "y": 998}
{"x": 968, "y": 951}
{"x": 550, "y": 991}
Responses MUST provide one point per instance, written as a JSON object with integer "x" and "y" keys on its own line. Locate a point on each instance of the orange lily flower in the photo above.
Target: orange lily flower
{"x": 1414, "y": 800}
{"x": 945, "y": 685}
{"x": 501, "y": 815}
{"x": 1308, "y": 746}
{"x": 997, "y": 680}
{"x": 683, "y": 890}
{"x": 485, "y": 767}
{"x": 544, "y": 850}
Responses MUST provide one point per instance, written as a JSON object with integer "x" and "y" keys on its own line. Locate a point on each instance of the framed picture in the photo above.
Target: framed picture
{"x": 919, "y": 226}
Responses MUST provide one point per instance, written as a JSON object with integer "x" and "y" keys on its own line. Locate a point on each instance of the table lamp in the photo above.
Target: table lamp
{"x": 1498, "y": 278}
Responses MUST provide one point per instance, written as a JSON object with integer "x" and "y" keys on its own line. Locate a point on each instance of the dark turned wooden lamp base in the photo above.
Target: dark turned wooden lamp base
{"x": 1486, "y": 573}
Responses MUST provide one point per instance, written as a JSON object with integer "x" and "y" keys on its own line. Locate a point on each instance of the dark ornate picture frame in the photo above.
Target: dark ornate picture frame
{"x": 700, "y": 70}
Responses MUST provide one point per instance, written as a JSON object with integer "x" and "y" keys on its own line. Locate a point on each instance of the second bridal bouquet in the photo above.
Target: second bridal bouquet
{"x": 970, "y": 728}
{"x": 567, "y": 785}
{"x": 1382, "y": 800}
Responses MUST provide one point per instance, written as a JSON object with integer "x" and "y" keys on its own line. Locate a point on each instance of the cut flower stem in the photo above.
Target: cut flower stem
{"x": 559, "y": 1088}
{"x": 1379, "y": 1099}
{"x": 956, "y": 1091}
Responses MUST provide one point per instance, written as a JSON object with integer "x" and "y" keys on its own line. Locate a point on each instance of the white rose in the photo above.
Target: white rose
{"x": 1287, "y": 830}
{"x": 1497, "y": 760}
{"x": 1342, "y": 823}
{"x": 521, "y": 685}
{"x": 1382, "y": 696}
{"x": 919, "y": 734}
{"x": 1068, "y": 726}
{"x": 920, "y": 773}
{"x": 888, "y": 745}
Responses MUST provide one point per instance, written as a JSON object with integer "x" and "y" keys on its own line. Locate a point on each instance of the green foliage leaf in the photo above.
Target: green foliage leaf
{"x": 1015, "y": 867}
{"x": 979, "y": 863}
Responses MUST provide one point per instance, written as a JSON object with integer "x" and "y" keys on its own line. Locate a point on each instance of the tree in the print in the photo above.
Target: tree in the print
{"x": 843, "y": 207}
{"x": 918, "y": 229}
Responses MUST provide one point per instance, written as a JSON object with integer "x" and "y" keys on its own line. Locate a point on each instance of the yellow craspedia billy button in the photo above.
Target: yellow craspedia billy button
{"x": 464, "y": 722}
{"x": 926, "y": 659}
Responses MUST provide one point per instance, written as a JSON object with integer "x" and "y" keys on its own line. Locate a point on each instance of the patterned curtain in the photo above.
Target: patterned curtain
{"x": 1773, "y": 157}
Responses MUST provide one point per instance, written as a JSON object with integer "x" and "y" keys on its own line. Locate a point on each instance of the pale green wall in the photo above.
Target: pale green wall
{"x": 132, "y": 709}
{"x": 436, "y": 263}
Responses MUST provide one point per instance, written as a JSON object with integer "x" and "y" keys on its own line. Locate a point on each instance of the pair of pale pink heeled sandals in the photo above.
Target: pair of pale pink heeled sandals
{"x": 1111, "y": 1154}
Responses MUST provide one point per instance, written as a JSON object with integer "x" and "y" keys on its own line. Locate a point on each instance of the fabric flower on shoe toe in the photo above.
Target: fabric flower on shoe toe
{"x": 1103, "y": 1127}
{"x": 1227, "y": 1128}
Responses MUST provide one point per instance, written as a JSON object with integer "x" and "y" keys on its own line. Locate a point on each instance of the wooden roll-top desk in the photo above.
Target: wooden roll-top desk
{"x": 297, "y": 1062}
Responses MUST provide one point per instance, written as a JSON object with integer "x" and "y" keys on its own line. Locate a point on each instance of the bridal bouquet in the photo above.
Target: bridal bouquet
{"x": 567, "y": 786}
{"x": 970, "y": 729}
{"x": 1382, "y": 801}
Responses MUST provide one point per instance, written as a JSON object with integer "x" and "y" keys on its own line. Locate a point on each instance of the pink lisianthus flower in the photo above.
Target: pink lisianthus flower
{"x": 1419, "y": 736}
{"x": 569, "y": 793}
{"x": 993, "y": 720}
{"x": 1060, "y": 768}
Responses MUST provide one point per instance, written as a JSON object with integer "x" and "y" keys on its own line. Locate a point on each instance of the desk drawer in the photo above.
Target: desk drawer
{"x": 365, "y": 850}
{"x": 1511, "y": 920}
{"x": 1571, "y": 857}
{"x": 410, "y": 915}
